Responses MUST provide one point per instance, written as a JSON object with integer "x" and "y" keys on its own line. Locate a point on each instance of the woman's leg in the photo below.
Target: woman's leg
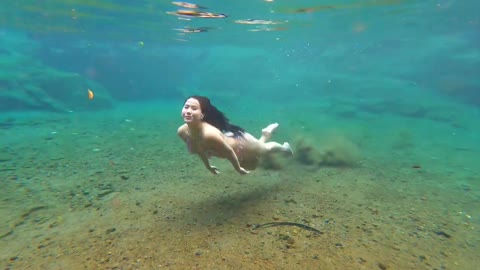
{"x": 267, "y": 132}
{"x": 261, "y": 147}
{"x": 274, "y": 147}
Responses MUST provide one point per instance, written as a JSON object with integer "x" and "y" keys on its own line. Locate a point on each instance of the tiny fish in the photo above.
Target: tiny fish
{"x": 90, "y": 94}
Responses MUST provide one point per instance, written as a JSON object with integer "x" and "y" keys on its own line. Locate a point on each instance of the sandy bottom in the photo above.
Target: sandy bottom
{"x": 121, "y": 193}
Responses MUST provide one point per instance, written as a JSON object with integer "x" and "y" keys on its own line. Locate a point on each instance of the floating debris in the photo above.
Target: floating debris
{"x": 184, "y": 18}
{"x": 285, "y": 223}
{"x": 188, "y": 5}
{"x": 267, "y": 29}
{"x": 442, "y": 233}
{"x": 257, "y": 22}
{"x": 33, "y": 209}
{"x": 343, "y": 6}
{"x": 313, "y": 9}
{"x": 196, "y": 14}
{"x": 189, "y": 30}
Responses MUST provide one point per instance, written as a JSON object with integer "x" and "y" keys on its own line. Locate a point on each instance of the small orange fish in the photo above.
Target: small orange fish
{"x": 90, "y": 94}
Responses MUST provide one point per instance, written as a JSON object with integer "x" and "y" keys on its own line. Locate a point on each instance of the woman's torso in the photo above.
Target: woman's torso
{"x": 197, "y": 144}
{"x": 245, "y": 147}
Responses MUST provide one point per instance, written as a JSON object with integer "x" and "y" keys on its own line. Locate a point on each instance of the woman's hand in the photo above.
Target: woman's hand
{"x": 243, "y": 171}
{"x": 214, "y": 170}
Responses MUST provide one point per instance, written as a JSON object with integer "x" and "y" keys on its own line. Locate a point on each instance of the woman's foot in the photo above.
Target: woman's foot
{"x": 267, "y": 132}
{"x": 287, "y": 149}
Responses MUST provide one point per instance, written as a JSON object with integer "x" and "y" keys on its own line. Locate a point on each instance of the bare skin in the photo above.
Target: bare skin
{"x": 206, "y": 140}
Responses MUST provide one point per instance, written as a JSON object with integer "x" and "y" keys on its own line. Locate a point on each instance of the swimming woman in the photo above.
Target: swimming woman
{"x": 207, "y": 132}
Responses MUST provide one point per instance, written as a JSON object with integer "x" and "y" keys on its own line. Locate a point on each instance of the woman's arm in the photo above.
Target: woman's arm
{"x": 218, "y": 143}
{"x": 209, "y": 167}
{"x": 182, "y": 133}
{"x": 232, "y": 157}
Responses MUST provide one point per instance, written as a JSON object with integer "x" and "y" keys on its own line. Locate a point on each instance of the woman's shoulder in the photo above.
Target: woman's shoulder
{"x": 210, "y": 129}
{"x": 211, "y": 132}
{"x": 182, "y": 129}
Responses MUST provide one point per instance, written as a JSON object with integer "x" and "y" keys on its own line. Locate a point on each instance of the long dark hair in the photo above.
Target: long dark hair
{"x": 216, "y": 118}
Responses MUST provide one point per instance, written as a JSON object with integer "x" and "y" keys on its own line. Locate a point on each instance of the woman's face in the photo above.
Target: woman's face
{"x": 191, "y": 111}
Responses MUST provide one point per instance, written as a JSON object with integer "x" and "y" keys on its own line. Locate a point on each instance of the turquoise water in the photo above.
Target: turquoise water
{"x": 388, "y": 88}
